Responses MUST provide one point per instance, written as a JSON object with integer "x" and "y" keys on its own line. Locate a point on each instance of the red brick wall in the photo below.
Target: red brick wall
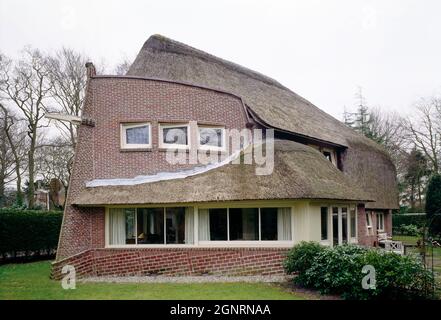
{"x": 372, "y": 240}
{"x": 110, "y": 101}
{"x": 172, "y": 261}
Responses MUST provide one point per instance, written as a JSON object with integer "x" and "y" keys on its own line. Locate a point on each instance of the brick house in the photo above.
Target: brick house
{"x": 130, "y": 210}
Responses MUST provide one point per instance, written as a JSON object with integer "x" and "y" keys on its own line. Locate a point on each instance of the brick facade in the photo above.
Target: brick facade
{"x": 372, "y": 240}
{"x": 110, "y": 101}
{"x": 172, "y": 261}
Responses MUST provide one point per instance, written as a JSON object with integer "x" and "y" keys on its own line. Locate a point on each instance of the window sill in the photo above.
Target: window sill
{"x": 135, "y": 149}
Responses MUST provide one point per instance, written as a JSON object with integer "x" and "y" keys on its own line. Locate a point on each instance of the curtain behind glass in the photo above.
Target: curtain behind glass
{"x": 284, "y": 224}
{"x": 117, "y": 226}
{"x": 189, "y": 225}
{"x": 204, "y": 225}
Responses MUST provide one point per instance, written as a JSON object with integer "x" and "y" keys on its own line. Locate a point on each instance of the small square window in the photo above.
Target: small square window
{"x": 135, "y": 136}
{"x": 212, "y": 138}
{"x": 174, "y": 136}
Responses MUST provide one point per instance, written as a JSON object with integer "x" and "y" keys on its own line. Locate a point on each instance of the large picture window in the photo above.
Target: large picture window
{"x": 137, "y": 226}
{"x": 135, "y": 135}
{"x": 245, "y": 224}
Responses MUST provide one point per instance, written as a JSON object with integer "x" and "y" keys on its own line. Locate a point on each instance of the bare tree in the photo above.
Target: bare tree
{"x": 67, "y": 73}
{"x": 13, "y": 151}
{"x": 26, "y": 84}
{"x": 54, "y": 161}
{"x": 122, "y": 67}
{"x": 424, "y": 129}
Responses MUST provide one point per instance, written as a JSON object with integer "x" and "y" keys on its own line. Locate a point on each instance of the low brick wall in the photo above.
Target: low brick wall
{"x": 175, "y": 262}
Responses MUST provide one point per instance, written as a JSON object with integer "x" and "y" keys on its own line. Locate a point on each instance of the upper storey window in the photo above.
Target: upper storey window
{"x": 211, "y": 138}
{"x": 174, "y": 136}
{"x": 330, "y": 155}
{"x": 135, "y": 135}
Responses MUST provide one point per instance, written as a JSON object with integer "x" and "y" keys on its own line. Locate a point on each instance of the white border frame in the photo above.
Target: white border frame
{"x": 129, "y": 125}
{"x": 174, "y": 145}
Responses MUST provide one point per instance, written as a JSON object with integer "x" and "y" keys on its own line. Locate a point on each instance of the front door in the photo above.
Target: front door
{"x": 339, "y": 225}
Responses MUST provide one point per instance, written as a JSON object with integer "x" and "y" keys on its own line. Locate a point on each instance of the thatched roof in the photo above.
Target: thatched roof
{"x": 274, "y": 104}
{"x": 300, "y": 172}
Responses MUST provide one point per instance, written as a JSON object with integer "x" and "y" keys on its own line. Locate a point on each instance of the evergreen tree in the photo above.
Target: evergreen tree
{"x": 433, "y": 205}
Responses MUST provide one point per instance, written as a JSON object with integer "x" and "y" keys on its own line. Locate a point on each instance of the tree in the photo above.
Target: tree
{"x": 417, "y": 170}
{"x": 424, "y": 128}
{"x": 67, "y": 74}
{"x": 54, "y": 161}
{"x": 122, "y": 67}
{"x": 27, "y": 85}
{"x": 362, "y": 117}
{"x": 433, "y": 204}
{"x": 12, "y": 152}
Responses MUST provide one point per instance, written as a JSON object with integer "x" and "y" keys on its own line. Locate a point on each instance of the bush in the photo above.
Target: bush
{"x": 338, "y": 270}
{"x": 300, "y": 257}
{"x": 410, "y": 230}
{"x": 28, "y": 231}
{"x": 400, "y": 220}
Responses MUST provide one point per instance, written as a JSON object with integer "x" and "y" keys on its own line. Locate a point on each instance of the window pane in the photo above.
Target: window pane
{"x": 175, "y": 225}
{"x": 344, "y": 224}
{"x": 353, "y": 223}
{"x": 335, "y": 225}
{"x": 175, "y": 135}
{"x": 268, "y": 223}
{"x": 244, "y": 224}
{"x": 138, "y": 135}
{"x": 324, "y": 222}
{"x": 150, "y": 225}
{"x": 211, "y": 137}
{"x": 130, "y": 226}
{"x": 218, "y": 224}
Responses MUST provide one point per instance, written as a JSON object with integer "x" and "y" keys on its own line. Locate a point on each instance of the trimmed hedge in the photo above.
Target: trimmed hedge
{"x": 28, "y": 231}
{"x": 338, "y": 270}
{"x": 399, "y": 220}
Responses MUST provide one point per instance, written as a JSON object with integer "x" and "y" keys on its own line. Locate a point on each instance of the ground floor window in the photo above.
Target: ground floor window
{"x": 369, "y": 230}
{"x": 245, "y": 224}
{"x": 380, "y": 221}
{"x": 338, "y": 224}
{"x": 151, "y": 226}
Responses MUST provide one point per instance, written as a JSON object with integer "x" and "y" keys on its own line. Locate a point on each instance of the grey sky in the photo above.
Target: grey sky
{"x": 322, "y": 50}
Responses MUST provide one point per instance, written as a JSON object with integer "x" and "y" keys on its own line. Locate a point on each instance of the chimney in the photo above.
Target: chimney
{"x": 91, "y": 71}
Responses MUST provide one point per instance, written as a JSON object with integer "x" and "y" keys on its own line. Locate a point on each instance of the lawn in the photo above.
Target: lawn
{"x": 31, "y": 281}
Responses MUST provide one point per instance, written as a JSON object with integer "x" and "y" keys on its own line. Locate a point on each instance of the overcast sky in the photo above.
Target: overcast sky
{"x": 323, "y": 50}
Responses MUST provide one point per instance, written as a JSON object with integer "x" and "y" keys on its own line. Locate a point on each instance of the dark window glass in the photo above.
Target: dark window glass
{"x": 324, "y": 222}
{"x": 175, "y": 225}
{"x": 175, "y": 135}
{"x": 138, "y": 135}
{"x": 244, "y": 224}
{"x": 327, "y": 155}
{"x": 344, "y": 224}
{"x": 218, "y": 224}
{"x": 335, "y": 225}
{"x": 353, "y": 222}
{"x": 130, "y": 226}
{"x": 150, "y": 225}
{"x": 268, "y": 223}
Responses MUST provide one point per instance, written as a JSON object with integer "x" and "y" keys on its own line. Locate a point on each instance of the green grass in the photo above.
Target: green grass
{"x": 407, "y": 239}
{"x": 31, "y": 281}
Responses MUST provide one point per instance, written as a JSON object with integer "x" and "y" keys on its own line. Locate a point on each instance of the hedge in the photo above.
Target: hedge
{"x": 28, "y": 231}
{"x": 401, "y": 219}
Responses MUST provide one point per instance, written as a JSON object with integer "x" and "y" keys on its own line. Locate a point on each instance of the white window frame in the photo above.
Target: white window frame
{"x": 350, "y": 239}
{"x": 130, "y": 125}
{"x": 369, "y": 226}
{"x": 380, "y": 222}
{"x": 174, "y": 145}
{"x": 204, "y": 147}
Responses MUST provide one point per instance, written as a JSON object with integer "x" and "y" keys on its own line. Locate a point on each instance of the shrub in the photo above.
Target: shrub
{"x": 300, "y": 257}
{"x": 399, "y": 220}
{"x": 28, "y": 230}
{"x": 338, "y": 270}
{"x": 410, "y": 230}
